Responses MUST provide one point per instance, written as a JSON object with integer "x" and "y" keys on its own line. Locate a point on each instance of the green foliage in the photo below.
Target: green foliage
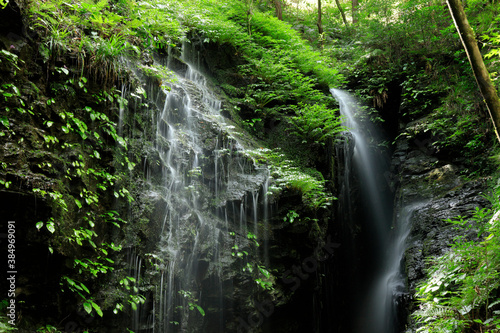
{"x": 192, "y": 301}
{"x": 291, "y": 216}
{"x": 157, "y": 71}
{"x": 265, "y": 280}
{"x": 10, "y": 58}
{"x": 271, "y": 33}
{"x": 484, "y": 17}
{"x": 288, "y": 176}
{"x": 258, "y": 273}
{"x": 457, "y": 126}
{"x": 492, "y": 41}
{"x": 418, "y": 90}
{"x": 80, "y": 289}
{"x": 134, "y": 299}
{"x": 157, "y": 22}
{"x": 253, "y": 238}
{"x": 316, "y": 123}
{"x": 88, "y": 137}
{"x": 460, "y": 293}
{"x": 96, "y": 36}
{"x": 237, "y": 252}
{"x": 414, "y": 45}
{"x": 253, "y": 125}
{"x": 282, "y": 69}
{"x": 48, "y": 329}
{"x": 5, "y": 326}
{"x": 281, "y": 75}
{"x": 12, "y": 96}
{"x": 57, "y": 36}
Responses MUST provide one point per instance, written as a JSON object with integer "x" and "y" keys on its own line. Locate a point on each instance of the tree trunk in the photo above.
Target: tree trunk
{"x": 320, "y": 24}
{"x": 249, "y": 17}
{"x": 481, "y": 74}
{"x": 355, "y": 4}
{"x": 341, "y": 12}
{"x": 279, "y": 9}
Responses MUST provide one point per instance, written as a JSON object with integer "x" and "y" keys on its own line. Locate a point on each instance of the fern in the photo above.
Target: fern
{"x": 433, "y": 311}
{"x": 460, "y": 289}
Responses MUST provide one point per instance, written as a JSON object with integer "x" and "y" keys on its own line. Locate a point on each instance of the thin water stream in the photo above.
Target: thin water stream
{"x": 366, "y": 210}
{"x": 389, "y": 287}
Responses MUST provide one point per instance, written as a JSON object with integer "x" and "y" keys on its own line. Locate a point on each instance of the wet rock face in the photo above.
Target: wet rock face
{"x": 431, "y": 234}
{"x": 423, "y": 176}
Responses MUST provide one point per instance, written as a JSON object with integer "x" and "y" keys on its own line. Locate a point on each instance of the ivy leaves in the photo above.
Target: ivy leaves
{"x": 87, "y": 137}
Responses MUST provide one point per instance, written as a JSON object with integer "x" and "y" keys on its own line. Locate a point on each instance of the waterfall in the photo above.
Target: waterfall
{"x": 389, "y": 288}
{"x": 210, "y": 195}
{"x": 365, "y": 210}
{"x": 366, "y": 165}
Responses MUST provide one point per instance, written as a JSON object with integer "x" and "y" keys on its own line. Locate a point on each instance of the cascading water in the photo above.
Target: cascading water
{"x": 390, "y": 286}
{"x": 208, "y": 185}
{"x": 367, "y": 166}
{"x": 365, "y": 206}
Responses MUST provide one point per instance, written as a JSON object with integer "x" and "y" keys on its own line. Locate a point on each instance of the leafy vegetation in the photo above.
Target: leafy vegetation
{"x": 288, "y": 175}
{"x": 316, "y": 124}
{"x": 460, "y": 293}
{"x": 5, "y": 326}
{"x": 261, "y": 275}
{"x": 69, "y": 133}
{"x": 412, "y": 50}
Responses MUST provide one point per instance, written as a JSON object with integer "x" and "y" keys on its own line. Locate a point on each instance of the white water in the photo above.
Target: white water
{"x": 185, "y": 221}
{"x": 206, "y": 193}
{"x": 364, "y": 161}
{"x": 380, "y": 283}
{"x": 390, "y": 285}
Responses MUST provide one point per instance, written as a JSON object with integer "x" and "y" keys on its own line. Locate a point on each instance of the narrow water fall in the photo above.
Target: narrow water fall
{"x": 366, "y": 213}
{"x": 389, "y": 287}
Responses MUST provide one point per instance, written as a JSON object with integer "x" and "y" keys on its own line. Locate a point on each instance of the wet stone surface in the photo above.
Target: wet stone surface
{"x": 438, "y": 184}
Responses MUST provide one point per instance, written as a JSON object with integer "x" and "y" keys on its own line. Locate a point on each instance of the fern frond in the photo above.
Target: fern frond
{"x": 433, "y": 311}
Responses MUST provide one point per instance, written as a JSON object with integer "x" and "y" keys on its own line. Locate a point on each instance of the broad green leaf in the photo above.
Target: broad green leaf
{"x": 265, "y": 272}
{"x": 200, "y": 310}
{"x": 78, "y": 203}
{"x": 51, "y": 227}
{"x": 97, "y": 308}
{"x": 84, "y": 287}
{"x": 5, "y": 121}
{"x": 87, "y": 306}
